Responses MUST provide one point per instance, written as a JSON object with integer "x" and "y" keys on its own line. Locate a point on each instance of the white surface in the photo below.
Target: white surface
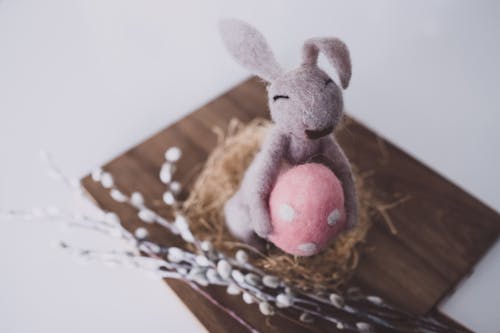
{"x": 477, "y": 300}
{"x": 88, "y": 79}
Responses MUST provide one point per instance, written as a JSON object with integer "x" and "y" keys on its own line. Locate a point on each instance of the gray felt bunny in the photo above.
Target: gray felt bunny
{"x": 305, "y": 105}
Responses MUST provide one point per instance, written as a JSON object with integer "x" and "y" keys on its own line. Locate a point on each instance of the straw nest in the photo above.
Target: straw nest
{"x": 218, "y": 181}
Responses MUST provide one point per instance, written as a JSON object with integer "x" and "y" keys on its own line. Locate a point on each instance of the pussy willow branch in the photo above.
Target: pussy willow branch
{"x": 378, "y": 319}
{"x": 207, "y": 265}
{"x": 230, "y": 312}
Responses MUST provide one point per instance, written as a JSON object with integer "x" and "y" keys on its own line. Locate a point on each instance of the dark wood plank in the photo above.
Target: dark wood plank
{"x": 442, "y": 230}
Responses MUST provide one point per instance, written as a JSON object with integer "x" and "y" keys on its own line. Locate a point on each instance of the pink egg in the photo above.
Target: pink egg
{"x": 307, "y": 209}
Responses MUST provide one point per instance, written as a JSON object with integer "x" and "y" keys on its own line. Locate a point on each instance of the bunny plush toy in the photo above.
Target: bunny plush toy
{"x": 306, "y": 105}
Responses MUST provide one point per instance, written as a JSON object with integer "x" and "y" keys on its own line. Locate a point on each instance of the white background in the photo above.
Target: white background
{"x": 88, "y": 79}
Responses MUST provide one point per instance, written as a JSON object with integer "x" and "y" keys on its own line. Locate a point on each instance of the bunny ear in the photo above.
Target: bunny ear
{"x": 335, "y": 51}
{"x": 249, "y": 48}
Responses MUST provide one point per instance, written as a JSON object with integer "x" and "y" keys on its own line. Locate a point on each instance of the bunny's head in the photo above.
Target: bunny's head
{"x": 304, "y": 101}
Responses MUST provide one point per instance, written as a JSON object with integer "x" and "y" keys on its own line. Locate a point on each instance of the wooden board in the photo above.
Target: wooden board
{"x": 442, "y": 231}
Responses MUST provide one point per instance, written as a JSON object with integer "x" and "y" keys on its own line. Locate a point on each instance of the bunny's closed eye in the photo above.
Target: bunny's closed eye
{"x": 276, "y": 97}
{"x": 327, "y": 82}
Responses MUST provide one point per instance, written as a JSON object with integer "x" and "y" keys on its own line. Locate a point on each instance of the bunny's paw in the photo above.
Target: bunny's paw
{"x": 261, "y": 222}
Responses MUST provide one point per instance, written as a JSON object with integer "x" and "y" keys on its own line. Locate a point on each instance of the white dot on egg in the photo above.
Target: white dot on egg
{"x": 286, "y": 212}
{"x": 333, "y": 217}
{"x": 307, "y": 248}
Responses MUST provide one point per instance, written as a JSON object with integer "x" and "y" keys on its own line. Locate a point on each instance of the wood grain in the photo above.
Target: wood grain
{"x": 442, "y": 230}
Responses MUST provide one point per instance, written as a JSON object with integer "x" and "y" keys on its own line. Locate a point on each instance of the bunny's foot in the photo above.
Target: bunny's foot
{"x": 239, "y": 223}
{"x": 238, "y": 218}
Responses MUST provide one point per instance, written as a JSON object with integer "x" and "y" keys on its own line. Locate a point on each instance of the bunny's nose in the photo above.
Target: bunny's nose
{"x": 316, "y": 134}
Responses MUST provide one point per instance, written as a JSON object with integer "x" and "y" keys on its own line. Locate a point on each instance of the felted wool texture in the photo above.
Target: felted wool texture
{"x": 336, "y": 53}
{"x": 307, "y": 209}
{"x": 219, "y": 180}
{"x": 249, "y": 47}
{"x": 306, "y": 105}
{"x": 247, "y": 211}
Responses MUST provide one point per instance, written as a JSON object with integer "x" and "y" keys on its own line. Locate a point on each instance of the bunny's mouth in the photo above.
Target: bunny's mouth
{"x": 316, "y": 134}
